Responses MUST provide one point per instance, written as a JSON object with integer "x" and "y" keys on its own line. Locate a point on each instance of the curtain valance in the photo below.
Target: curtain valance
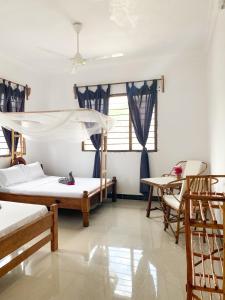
{"x": 11, "y": 100}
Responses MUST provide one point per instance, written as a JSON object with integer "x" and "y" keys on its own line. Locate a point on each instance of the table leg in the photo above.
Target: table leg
{"x": 149, "y": 202}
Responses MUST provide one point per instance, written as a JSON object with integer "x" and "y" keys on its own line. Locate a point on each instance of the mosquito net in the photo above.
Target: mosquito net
{"x": 76, "y": 125}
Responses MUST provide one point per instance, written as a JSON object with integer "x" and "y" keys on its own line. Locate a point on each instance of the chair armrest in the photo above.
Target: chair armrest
{"x": 166, "y": 175}
{"x": 172, "y": 183}
{"x": 171, "y": 173}
{"x": 170, "y": 187}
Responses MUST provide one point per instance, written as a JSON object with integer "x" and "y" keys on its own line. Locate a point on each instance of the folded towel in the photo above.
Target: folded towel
{"x": 67, "y": 180}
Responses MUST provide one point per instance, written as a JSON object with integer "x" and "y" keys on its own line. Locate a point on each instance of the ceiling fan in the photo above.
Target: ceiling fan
{"x": 78, "y": 60}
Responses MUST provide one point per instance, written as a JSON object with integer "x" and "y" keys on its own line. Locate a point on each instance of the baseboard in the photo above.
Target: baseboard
{"x": 135, "y": 197}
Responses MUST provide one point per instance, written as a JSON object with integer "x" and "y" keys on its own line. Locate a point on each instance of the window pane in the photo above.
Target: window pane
{"x": 3, "y": 146}
{"x": 118, "y": 137}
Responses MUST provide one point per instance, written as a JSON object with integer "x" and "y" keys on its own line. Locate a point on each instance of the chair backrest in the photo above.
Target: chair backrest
{"x": 192, "y": 167}
{"x": 201, "y": 184}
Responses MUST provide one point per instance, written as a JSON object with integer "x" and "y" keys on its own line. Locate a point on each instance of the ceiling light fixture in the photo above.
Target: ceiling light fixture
{"x": 123, "y": 12}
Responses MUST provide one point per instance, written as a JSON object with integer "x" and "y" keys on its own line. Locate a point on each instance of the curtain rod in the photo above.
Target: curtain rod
{"x": 162, "y": 79}
{"x": 26, "y": 87}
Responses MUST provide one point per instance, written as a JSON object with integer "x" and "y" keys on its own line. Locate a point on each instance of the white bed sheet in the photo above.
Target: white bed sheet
{"x": 49, "y": 186}
{"x": 14, "y": 215}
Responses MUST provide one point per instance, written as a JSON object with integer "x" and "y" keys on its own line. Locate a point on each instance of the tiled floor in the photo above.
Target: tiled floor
{"x": 122, "y": 255}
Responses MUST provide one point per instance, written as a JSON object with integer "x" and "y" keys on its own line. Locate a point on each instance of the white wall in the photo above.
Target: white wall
{"x": 182, "y": 121}
{"x": 182, "y": 117}
{"x": 12, "y": 70}
{"x": 216, "y": 83}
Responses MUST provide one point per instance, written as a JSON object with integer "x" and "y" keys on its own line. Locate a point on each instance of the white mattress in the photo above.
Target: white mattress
{"x": 49, "y": 186}
{"x": 14, "y": 215}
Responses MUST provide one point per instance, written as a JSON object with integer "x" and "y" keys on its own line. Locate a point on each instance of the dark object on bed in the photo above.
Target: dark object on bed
{"x": 26, "y": 233}
{"x": 18, "y": 161}
{"x": 71, "y": 178}
{"x": 67, "y": 180}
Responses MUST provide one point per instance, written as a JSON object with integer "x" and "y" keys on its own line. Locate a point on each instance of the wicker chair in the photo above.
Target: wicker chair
{"x": 172, "y": 203}
{"x": 161, "y": 181}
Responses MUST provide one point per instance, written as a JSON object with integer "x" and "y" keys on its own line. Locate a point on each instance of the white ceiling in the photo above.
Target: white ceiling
{"x": 151, "y": 27}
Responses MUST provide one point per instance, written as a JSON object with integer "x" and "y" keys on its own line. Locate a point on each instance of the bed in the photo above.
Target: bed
{"x": 29, "y": 184}
{"x": 20, "y": 224}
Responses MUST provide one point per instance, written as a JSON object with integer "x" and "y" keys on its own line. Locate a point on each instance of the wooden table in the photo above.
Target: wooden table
{"x": 158, "y": 182}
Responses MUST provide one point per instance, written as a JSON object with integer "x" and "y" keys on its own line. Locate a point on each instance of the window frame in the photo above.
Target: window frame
{"x": 130, "y": 131}
{"x": 9, "y": 155}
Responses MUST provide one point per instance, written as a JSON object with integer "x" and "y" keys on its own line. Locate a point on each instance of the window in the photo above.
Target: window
{"x": 122, "y": 136}
{"x": 4, "y": 151}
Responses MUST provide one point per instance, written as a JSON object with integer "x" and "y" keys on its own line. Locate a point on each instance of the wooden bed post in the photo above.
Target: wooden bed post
{"x": 85, "y": 207}
{"x": 14, "y": 152}
{"x": 103, "y": 166}
{"x": 54, "y": 227}
{"x": 114, "y": 189}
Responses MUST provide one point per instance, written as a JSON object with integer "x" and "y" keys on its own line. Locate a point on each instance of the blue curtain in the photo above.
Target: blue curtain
{"x": 98, "y": 100}
{"x": 11, "y": 100}
{"x": 141, "y": 103}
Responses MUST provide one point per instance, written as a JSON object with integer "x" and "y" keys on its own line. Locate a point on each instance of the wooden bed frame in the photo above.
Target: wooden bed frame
{"x": 26, "y": 233}
{"x": 84, "y": 204}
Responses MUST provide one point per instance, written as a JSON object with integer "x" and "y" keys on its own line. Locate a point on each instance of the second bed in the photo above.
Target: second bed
{"x": 37, "y": 188}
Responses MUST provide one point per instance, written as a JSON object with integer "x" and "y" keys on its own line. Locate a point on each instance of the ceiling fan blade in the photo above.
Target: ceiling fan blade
{"x": 105, "y": 57}
{"x": 52, "y": 52}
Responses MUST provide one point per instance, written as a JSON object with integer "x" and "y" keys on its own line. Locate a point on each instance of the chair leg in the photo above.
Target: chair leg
{"x": 148, "y": 210}
{"x": 196, "y": 216}
{"x": 168, "y": 209}
{"x": 204, "y": 229}
{"x": 165, "y": 214}
{"x": 178, "y": 228}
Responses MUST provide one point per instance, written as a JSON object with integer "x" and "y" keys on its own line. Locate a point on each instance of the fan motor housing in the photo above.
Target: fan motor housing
{"x": 77, "y": 26}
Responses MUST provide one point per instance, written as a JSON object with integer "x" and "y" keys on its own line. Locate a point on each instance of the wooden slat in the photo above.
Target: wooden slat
{"x": 23, "y": 235}
{"x": 24, "y": 255}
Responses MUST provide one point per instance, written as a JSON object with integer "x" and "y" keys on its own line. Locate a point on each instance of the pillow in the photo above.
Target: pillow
{"x": 33, "y": 171}
{"x": 12, "y": 175}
